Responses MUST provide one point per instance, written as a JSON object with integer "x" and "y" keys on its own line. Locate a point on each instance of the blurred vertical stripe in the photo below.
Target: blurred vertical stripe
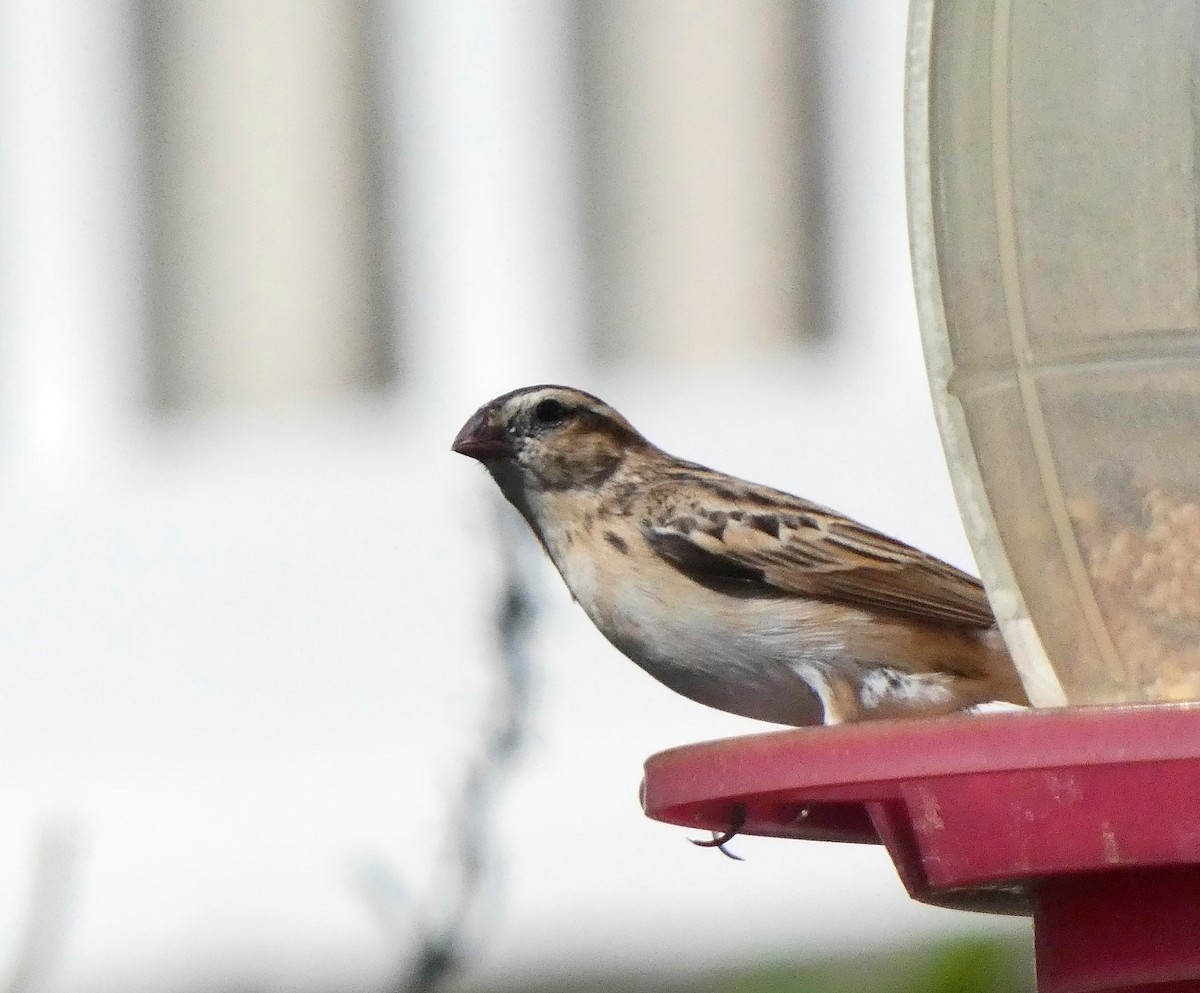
{"x": 266, "y": 201}
{"x": 704, "y": 176}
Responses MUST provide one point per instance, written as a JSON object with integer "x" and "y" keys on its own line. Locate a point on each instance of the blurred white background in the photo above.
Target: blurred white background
{"x": 258, "y": 262}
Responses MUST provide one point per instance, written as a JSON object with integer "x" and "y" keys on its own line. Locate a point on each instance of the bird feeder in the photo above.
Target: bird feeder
{"x": 1054, "y": 201}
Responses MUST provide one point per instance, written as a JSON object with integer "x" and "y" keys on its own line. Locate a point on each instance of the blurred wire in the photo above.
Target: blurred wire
{"x": 55, "y": 872}
{"x": 451, "y": 926}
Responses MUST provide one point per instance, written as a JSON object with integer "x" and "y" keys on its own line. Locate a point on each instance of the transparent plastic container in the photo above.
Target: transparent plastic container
{"x": 1053, "y": 182}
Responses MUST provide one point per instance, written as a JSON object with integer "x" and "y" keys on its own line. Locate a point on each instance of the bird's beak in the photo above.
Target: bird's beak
{"x": 481, "y": 438}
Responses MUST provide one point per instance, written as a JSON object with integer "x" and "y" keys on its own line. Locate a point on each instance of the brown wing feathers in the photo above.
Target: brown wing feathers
{"x": 809, "y": 551}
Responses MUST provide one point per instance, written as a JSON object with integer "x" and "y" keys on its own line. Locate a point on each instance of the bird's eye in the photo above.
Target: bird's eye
{"x": 550, "y": 411}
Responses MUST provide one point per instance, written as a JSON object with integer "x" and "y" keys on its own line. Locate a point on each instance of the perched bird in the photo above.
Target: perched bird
{"x": 736, "y": 595}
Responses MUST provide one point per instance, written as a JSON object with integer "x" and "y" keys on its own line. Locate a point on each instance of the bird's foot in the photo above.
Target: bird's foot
{"x": 737, "y": 820}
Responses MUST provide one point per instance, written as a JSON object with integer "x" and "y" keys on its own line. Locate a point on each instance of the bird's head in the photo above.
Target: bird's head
{"x": 547, "y": 437}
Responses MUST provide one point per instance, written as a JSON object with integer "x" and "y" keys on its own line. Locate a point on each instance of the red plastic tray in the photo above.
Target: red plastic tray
{"x": 1088, "y": 819}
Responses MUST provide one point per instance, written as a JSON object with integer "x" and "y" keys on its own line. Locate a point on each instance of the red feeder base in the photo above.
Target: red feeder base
{"x": 1087, "y": 819}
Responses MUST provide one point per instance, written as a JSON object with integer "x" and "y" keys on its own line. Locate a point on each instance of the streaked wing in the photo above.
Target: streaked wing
{"x": 756, "y": 541}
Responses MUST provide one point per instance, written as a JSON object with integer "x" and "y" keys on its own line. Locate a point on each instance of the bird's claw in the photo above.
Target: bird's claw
{"x": 737, "y": 820}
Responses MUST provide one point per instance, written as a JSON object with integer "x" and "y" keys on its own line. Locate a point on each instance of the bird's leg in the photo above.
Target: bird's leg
{"x": 840, "y": 699}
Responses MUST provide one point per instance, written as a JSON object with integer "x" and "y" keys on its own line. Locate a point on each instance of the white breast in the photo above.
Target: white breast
{"x": 761, "y": 657}
{"x": 662, "y": 620}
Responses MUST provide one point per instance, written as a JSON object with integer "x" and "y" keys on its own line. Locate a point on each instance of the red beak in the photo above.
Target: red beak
{"x": 482, "y": 439}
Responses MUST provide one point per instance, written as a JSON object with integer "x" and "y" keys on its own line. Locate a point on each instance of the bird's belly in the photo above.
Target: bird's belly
{"x": 759, "y": 658}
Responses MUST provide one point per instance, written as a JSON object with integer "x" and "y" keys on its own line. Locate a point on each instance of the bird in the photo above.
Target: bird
{"x": 736, "y": 595}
